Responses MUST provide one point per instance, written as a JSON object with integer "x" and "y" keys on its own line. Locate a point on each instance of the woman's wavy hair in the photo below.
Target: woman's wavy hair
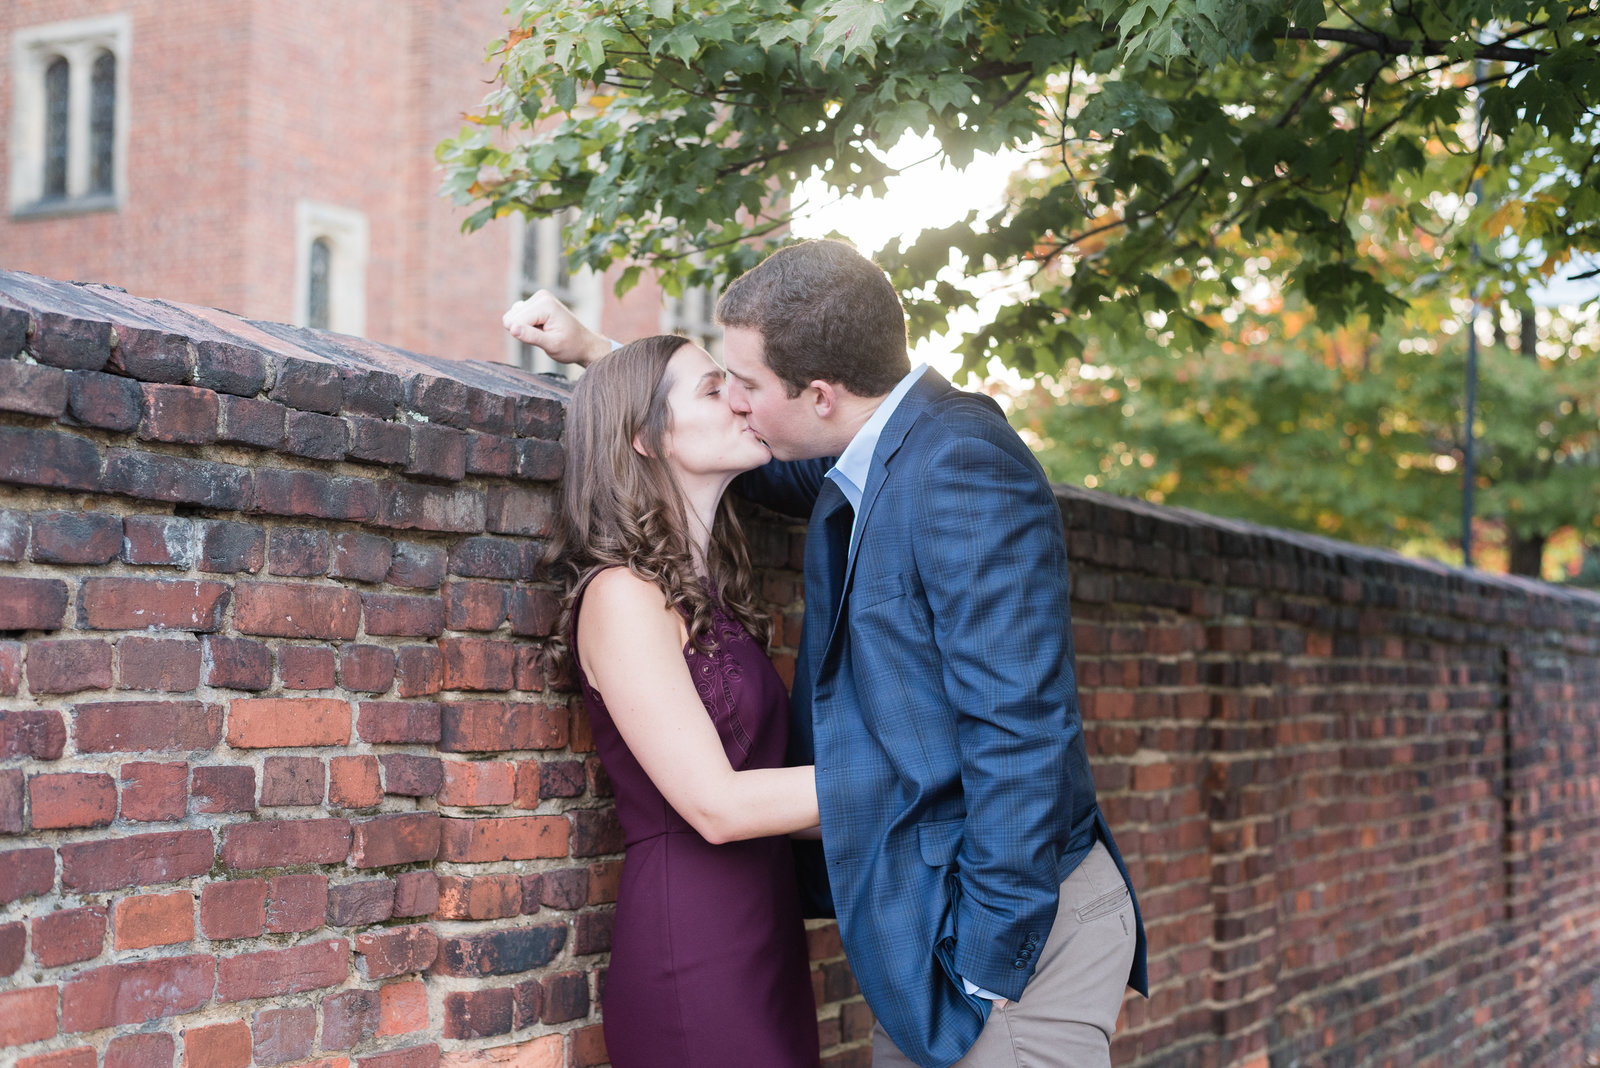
{"x": 621, "y": 508}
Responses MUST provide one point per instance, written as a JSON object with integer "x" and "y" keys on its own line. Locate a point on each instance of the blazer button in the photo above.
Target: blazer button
{"x": 1019, "y": 963}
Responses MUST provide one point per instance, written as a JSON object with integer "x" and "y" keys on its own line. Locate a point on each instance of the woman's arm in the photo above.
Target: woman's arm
{"x": 632, "y": 652}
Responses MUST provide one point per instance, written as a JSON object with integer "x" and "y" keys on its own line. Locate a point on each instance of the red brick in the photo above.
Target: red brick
{"x": 77, "y": 1057}
{"x": 503, "y": 952}
{"x": 525, "y": 793}
{"x": 366, "y": 668}
{"x": 135, "y": 860}
{"x": 476, "y": 841}
{"x": 140, "y": 1051}
{"x": 75, "y": 538}
{"x": 153, "y": 920}
{"x": 563, "y": 888}
{"x": 476, "y": 605}
{"x": 491, "y": 454}
{"x": 563, "y": 778}
{"x": 419, "y": 670}
{"x": 307, "y": 667}
{"x": 69, "y": 936}
{"x": 158, "y": 540}
{"x": 416, "y": 893}
{"x": 235, "y": 909}
{"x": 593, "y": 932}
{"x": 40, "y": 733}
{"x": 13, "y": 938}
{"x": 27, "y": 1015}
{"x": 525, "y": 510}
{"x": 595, "y": 831}
{"x": 171, "y": 665}
{"x": 237, "y": 663}
{"x": 535, "y": 612}
{"x": 353, "y": 782}
{"x": 410, "y": 1057}
{"x": 420, "y": 567}
{"x": 282, "y": 722}
{"x": 314, "y": 495}
{"x": 438, "y": 452}
{"x": 293, "y": 780}
{"x": 32, "y": 604}
{"x": 109, "y": 402}
{"x": 412, "y": 506}
{"x": 69, "y": 665}
{"x": 249, "y": 421}
{"x": 154, "y": 792}
{"x": 398, "y": 838}
{"x": 286, "y": 610}
{"x": 296, "y": 903}
{"x": 144, "y": 726}
{"x": 283, "y": 843}
{"x": 497, "y": 726}
{"x": 163, "y": 604}
{"x": 226, "y": 547}
{"x": 483, "y": 782}
{"x": 309, "y": 385}
{"x": 349, "y": 1018}
{"x": 378, "y": 442}
{"x": 397, "y": 721}
{"x": 396, "y": 951}
{"x": 479, "y": 664}
{"x": 297, "y": 552}
{"x": 72, "y": 799}
{"x": 152, "y": 477}
{"x": 362, "y": 557}
{"x": 13, "y": 535}
{"x": 402, "y": 1008}
{"x": 481, "y": 897}
{"x": 30, "y": 457}
{"x": 283, "y": 1035}
{"x": 223, "y": 788}
{"x": 224, "y": 1045}
{"x": 407, "y": 615}
{"x": 25, "y": 873}
{"x": 589, "y": 1047}
{"x": 10, "y": 668}
{"x": 409, "y": 775}
{"x": 183, "y": 414}
{"x": 477, "y": 1013}
{"x": 316, "y": 437}
{"x": 270, "y": 973}
{"x": 527, "y": 1001}
{"x": 566, "y": 997}
{"x": 358, "y": 904}
{"x": 136, "y": 992}
{"x": 32, "y": 389}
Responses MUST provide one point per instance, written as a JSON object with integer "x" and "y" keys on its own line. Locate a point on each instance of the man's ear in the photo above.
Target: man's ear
{"x": 824, "y": 397}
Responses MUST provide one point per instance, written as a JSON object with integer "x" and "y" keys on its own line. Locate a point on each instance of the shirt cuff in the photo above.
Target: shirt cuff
{"x": 978, "y": 991}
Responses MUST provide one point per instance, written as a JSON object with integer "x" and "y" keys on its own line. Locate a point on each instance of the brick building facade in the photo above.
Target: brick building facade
{"x": 239, "y": 133}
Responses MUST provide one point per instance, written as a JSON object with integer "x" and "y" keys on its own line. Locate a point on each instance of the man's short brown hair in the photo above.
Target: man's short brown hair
{"x": 824, "y": 311}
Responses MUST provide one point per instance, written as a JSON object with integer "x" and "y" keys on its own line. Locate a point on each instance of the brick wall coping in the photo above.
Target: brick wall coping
{"x": 91, "y": 355}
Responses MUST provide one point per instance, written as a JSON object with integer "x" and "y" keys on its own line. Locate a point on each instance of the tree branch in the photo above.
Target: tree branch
{"x": 1383, "y": 44}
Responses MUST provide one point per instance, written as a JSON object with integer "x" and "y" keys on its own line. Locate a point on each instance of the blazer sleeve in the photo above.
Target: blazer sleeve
{"x": 788, "y": 487}
{"x": 991, "y": 556}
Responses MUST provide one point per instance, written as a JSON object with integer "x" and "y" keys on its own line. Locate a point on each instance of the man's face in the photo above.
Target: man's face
{"x": 789, "y": 425}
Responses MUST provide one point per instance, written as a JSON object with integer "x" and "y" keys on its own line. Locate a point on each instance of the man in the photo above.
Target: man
{"x": 983, "y": 905}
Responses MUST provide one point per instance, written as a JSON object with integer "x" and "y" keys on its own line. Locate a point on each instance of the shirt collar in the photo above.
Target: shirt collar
{"x": 849, "y": 472}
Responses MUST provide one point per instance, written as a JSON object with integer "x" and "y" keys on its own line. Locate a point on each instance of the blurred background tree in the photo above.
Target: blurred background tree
{"x": 1232, "y": 258}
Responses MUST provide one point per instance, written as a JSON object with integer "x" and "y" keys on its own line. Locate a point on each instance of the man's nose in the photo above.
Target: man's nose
{"x": 738, "y": 400}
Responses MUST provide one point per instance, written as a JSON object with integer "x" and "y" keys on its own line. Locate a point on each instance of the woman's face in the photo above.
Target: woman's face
{"x": 707, "y": 437}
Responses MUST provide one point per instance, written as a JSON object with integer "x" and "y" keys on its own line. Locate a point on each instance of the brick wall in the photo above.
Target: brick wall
{"x": 285, "y": 778}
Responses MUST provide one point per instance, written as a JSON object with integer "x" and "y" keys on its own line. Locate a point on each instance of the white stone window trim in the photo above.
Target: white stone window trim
{"x": 348, "y": 237}
{"x": 79, "y": 42}
{"x": 583, "y": 291}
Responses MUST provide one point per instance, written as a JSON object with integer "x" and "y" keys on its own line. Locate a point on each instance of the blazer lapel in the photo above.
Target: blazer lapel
{"x": 929, "y": 387}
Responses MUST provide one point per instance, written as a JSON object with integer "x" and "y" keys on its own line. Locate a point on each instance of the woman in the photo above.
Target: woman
{"x": 708, "y": 963}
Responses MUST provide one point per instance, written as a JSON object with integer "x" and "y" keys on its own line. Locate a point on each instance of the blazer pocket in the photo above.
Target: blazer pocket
{"x": 866, "y": 594}
{"x": 940, "y": 841}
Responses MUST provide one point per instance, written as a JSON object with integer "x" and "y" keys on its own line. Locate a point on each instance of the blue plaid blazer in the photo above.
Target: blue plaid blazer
{"x": 940, "y": 706}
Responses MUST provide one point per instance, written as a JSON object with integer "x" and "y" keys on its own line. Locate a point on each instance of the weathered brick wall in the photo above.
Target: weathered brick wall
{"x": 285, "y": 779}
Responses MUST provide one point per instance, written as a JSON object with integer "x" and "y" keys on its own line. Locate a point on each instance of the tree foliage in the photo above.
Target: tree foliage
{"x": 1175, "y": 136}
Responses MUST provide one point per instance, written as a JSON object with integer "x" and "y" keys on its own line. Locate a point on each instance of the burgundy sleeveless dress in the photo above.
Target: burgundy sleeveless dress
{"x": 708, "y": 953}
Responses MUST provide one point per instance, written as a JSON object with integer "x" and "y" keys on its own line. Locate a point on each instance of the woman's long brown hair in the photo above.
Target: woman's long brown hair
{"x": 621, "y": 508}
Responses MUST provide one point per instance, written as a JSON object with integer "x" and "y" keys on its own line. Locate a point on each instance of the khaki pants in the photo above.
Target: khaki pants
{"x": 1069, "y": 1010}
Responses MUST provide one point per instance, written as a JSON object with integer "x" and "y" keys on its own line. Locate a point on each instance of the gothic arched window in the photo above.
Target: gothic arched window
{"x": 317, "y": 295}
{"x": 102, "y": 123}
{"x": 56, "y": 115}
